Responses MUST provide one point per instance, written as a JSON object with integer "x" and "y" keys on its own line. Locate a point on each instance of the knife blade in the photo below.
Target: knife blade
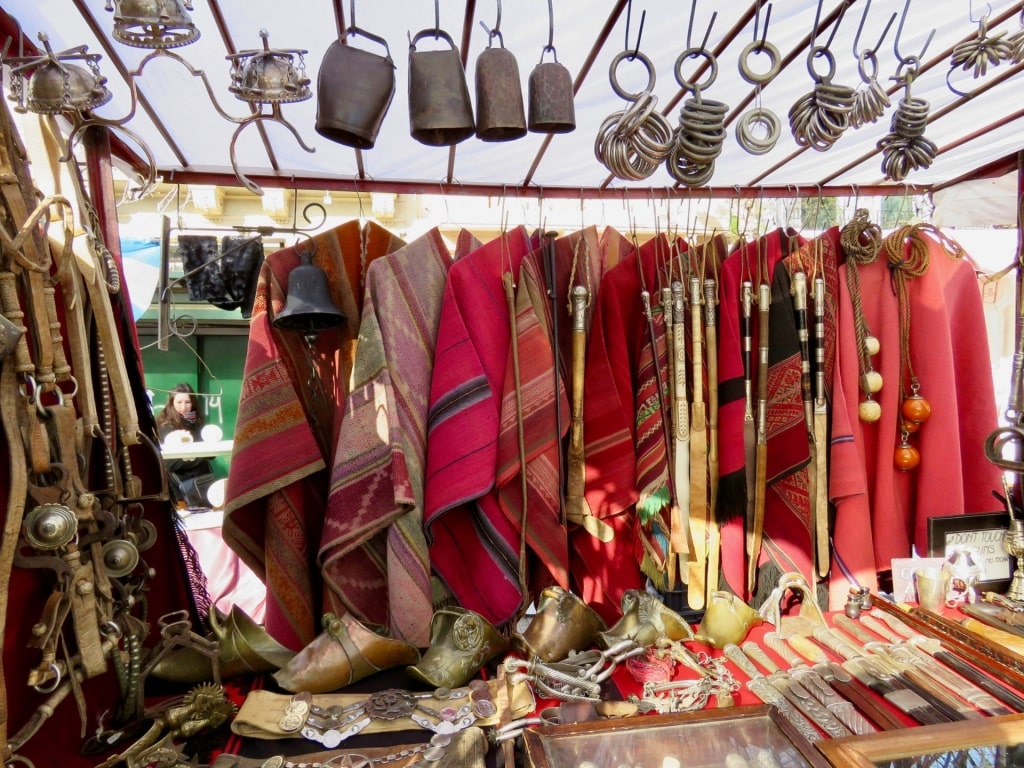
{"x": 818, "y": 687}
{"x": 934, "y": 648}
{"x": 759, "y": 685}
{"x": 793, "y": 690}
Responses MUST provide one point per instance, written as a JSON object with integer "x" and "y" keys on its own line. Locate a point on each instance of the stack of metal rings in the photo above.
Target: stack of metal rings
{"x": 871, "y": 101}
{"x": 758, "y": 129}
{"x": 905, "y": 148}
{"x": 633, "y": 142}
{"x": 698, "y": 140}
{"x": 983, "y": 51}
{"x": 820, "y": 117}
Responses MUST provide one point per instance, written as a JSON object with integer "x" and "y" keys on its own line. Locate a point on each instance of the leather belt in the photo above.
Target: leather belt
{"x": 699, "y": 512}
{"x": 711, "y": 346}
{"x": 764, "y": 300}
{"x": 679, "y": 543}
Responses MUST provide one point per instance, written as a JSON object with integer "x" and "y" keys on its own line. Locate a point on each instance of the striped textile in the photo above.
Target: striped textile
{"x": 652, "y": 452}
{"x": 474, "y": 547}
{"x": 277, "y": 484}
{"x": 373, "y": 554}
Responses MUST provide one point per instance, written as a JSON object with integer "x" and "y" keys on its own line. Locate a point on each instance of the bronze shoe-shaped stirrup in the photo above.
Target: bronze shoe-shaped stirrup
{"x": 461, "y": 642}
{"x": 563, "y": 624}
{"x": 645, "y": 619}
{"x": 346, "y": 651}
{"x": 727, "y": 620}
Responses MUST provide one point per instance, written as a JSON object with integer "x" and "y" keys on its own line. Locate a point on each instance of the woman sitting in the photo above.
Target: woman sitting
{"x": 181, "y": 421}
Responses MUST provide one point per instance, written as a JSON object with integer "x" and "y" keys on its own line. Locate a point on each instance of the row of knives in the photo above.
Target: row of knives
{"x": 914, "y": 673}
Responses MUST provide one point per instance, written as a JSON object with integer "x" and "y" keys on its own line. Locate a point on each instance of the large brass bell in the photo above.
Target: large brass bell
{"x": 120, "y": 557}
{"x": 440, "y": 112}
{"x": 552, "y": 108}
{"x": 499, "y": 96}
{"x": 153, "y": 23}
{"x": 354, "y": 91}
{"x": 49, "y": 526}
{"x": 309, "y": 308}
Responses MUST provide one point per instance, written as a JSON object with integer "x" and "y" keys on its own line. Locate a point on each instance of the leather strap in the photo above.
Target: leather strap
{"x": 679, "y": 542}
{"x": 819, "y": 514}
{"x": 17, "y": 493}
{"x": 711, "y": 346}
{"x": 577, "y": 510}
{"x": 699, "y": 512}
{"x": 764, "y": 299}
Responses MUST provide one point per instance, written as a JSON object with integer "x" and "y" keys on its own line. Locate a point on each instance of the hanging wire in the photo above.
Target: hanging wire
{"x": 857, "y": 52}
{"x": 639, "y": 33}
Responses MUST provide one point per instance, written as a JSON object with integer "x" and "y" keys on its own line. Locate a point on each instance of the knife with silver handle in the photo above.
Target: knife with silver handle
{"x": 834, "y": 674}
{"x": 793, "y": 690}
{"x": 819, "y": 688}
{"x": 934, "y": 648}
{"x": 769, "y": 694}
{"x": 955, "y": 683}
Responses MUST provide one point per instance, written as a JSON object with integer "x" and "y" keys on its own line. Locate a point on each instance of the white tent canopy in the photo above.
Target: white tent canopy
{"x": 189, "y": 140}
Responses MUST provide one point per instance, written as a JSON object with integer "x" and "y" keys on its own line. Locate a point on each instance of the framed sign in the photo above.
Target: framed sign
{"x": 983, "y": 534}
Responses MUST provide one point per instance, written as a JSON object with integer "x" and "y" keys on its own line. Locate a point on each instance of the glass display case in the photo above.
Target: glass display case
{"x": 996, "y": 742}
{"x": 740, "y": 737}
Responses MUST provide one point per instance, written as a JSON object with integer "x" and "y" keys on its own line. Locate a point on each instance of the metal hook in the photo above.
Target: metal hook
{"x": 689, "y": 27}
{"x": 988, "y": 12}
{"x": 860, "y": 28}
{"x": 437, "y": 19}
{"x": 757, "y": 22}
{"x": 352, "y": 13}
{"x": 899, "y": 33}
{"x": 551, "y": 26}
{"x": 639, "y": 32}
{"x": 494, "y": 32}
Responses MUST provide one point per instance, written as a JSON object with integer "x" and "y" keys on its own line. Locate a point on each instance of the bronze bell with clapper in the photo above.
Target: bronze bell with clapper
{"x": 309, "y": 308}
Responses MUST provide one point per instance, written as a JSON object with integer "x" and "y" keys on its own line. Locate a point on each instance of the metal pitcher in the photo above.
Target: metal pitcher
{"x": 440, "y": 112}
{"x": 552, "y": 109}
{"x": 354, "y": 91}
{"x": 500, "y": 115}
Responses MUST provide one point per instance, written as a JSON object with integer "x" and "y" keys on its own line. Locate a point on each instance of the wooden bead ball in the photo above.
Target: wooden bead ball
{"x": 873, "y": 380}
{"x": 915, "y": 408}
{"x": 869, "y": 411}
{"x": 872, "y": 345}
{"x": 906, "y": 457}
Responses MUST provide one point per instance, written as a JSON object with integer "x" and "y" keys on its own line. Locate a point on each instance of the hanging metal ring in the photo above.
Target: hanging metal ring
{"x": 619, "y": 90}
{"x": 759, "y": 78}
{"x": 696, "y": 53}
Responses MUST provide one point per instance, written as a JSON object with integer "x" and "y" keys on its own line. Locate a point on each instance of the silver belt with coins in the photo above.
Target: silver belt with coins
{"x": 443, "y": 711}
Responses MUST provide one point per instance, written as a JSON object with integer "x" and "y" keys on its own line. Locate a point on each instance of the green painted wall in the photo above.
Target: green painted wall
{"x": 213, "y": 364}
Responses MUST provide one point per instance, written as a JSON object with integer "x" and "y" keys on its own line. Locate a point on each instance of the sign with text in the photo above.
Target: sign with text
{"x": 981, "y": 534}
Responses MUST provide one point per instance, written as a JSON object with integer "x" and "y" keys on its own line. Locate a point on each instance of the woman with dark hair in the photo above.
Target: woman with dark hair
{"x": 189, "y": 478}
